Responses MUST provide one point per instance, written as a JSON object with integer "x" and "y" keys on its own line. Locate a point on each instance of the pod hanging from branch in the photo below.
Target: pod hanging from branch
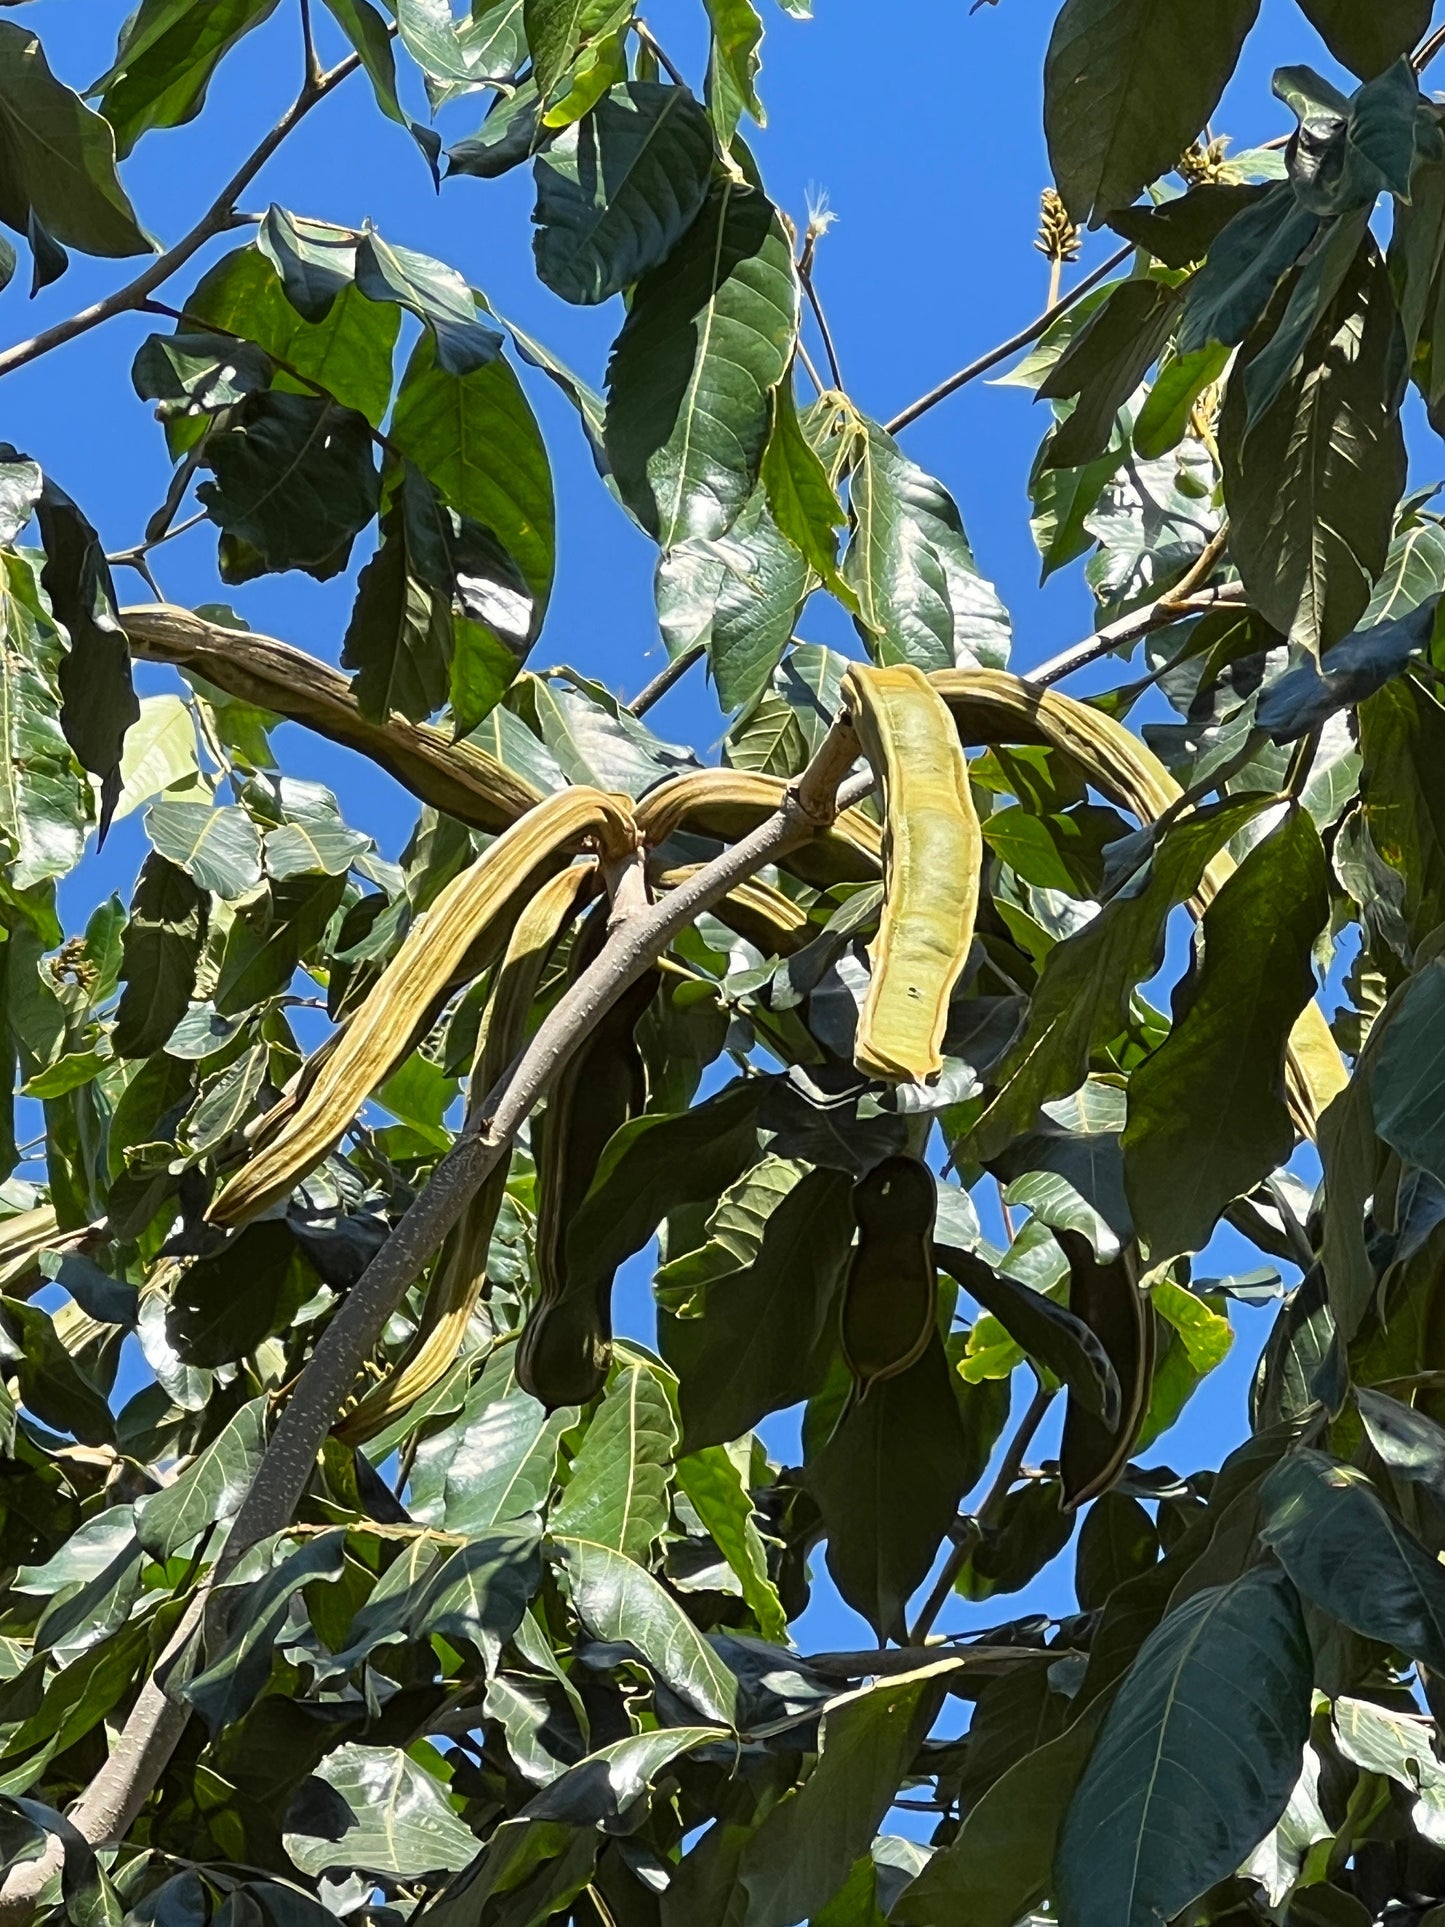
{"x": 932, "y": 857}
{"x": 890, "y": 1294}
{"x": 480, "y": 904}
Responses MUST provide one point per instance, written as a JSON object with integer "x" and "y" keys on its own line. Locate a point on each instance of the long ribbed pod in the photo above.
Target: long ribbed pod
{"x": 932, "y": 858}
{"x": 991, "y": 706}
{"x": 728, "y": 803}
{"x": 484, "y": 899}
{"x": 461, "y": 1267}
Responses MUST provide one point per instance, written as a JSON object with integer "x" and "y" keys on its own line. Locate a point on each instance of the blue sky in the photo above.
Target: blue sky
{"x": 921, "y": 123}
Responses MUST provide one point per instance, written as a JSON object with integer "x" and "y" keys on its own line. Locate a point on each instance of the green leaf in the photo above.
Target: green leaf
{"x": 800, "y": 497}
{"x": 1127, "y": 85}
{"x": 1082, "y": 1000}
{"x": 555, "y": 29}
{"x": 222, "y": 1307}
{"x": 1368, "y": 39}
{"x": 1409, "y": 1442}
{"x": 1116, "y": 1543}
{"x": 58, "y": 157}
{"x": 480, "y": 1592}
{"x": 1207, "y": 1112}
{"x": 159, "y": 754}
{"x": 618, "y": 1493}
{"x": 739, "y": 595}
{"x": 1163, "y": 421}
{"x": 709, "y": 336}
{"x": 98, "y": 700}
{"x": 1311, "y": 488}
{"x": 499, "y": 1459}
{"x": 619, "y": 188}
{"x": 160, "y": 950}
{"x": 733, "y": 67}
{"x": 476, "y": 440}
{"x": 888, "y": 1483}
{"x": 209, "y": 1491}
{"x": 220, "y": 849}
{"x": 714, "y": 1486}
{"x": 998, "y": 1866}
{"x": 805, "y": 1849}
{"x": 268, "y": 938}
{"x": 52, "y": 1384}
{"x": 1402, "y": 735}
{"x": 1103, "y": 365}
{"x": 42, "y": 804}
{"x": 1350, "y": 1556}
{"x": 295, "y": 480}
{"x": 1183, "y": 231}
{"x": 401, "y": 1823}
{"x": 435, "y": 294}
{"x": 349, "y": 353}
{"x": 754, "y": 1326}
{"x": 617, "y": 1599}
{"x": 244, "y": 1619}
{"x": 1407, "y": 1081}
{"x": 1197, "y": 1756}
{"x": 656, "y": 1163}
{"x": 920, "y": 596}
{"x": 461, "y": 56}
{"x": 168, "y": 51}
{"x": 1227, "y": 296}
{"x": 1049, "y": 1334}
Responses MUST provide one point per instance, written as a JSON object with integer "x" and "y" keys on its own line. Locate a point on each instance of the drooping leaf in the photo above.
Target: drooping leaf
{"x": 1402, "y": 733}
{"x": 161, "y": 948}
{"x": 715, "y": 1488}
{"x": 888, "y": 1484}
{"x": 220, "y": 849}
{"x": 42, "y": 804}
{"x": 295, "y": 481}
{"x": 59, "y": 157}
{"x": 1207, "y": 1112}
{"x": 209, "y": 1491}
{"x": 1196, "y": 1758}
{"x": 1311, "y": 487}
{"x": 708, "y": 337}
{"x": 1350, "y": 1556}
{"x": 617, "y": 189}
{"x": 435, "y": 294}
{"x": 1127, "y": 85}
{"x": 1046, "y": 1331}
{"x": 1368, "y": 39}
{"x": 399, "y": 1822}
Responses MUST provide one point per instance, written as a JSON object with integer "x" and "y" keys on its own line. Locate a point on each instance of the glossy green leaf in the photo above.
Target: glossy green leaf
{"x": 617, "y": 1599}
{"x": 42, "y": 804}
{"x": 435, "y": 294}
{"x": 617, "y": 1495}
{"x": 920, "y": 596}
{"x": 708, "y": 337}
{"x": 220, "y": 849}
{"x": 1196, "y": 1759}
{"x": 209, "y": 1491}
{"x": 401, "y": 1824}
{"x": 619, "y": 188}
{"x": 715, "y": 1488}
{"x": 162, "y": 946}
{"x": 1207, "y": 1113}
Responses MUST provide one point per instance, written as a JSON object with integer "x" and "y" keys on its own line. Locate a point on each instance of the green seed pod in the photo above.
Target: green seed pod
{"x": 1108, "y": 1299}
{"x": 890, "y": 1293}
{"x": 567, "y": 1346}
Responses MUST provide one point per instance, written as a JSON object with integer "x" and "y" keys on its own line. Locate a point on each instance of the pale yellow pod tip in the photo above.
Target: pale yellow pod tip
{"x": 932, "y": 861}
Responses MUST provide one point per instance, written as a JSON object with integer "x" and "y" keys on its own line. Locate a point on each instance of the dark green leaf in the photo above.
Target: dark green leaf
{"x": 197, "y": 374}
{"x": 222, "y": 1307}
{"x": 1183, "y": 231}
{"x": 1102, "y": 366}
{"x": 619, "y": 188}
{"x": 1309, "y": 694}
{"x": 1116, "y": 1543}
{"x": 503, "y": 141}
{"x": 58, "y": 157}
{"x": 162, "y": 946}
{"x": 753, "y": 1331}
{"x": 269, "y": 937}
{"x": 708, "y": 337}
{"x": 244, "y": 1619}
{"x": 1311, "y": 488}
{"x": 1410, "y": 1443}
{"x": 1246, "y": 264}
{"x": 1053, "y": 1336}
{"x": 1127, "y": 85}
{"x": 296, "y": 480}
{"x": 1197, "y": 1757}
{"x": 52, "y": 1385}
{"x": 1350, "y": 1556}
{"x": 435, "y": 294}
{"x": 1207, "y": 1113}
{"x": 617, "y": 1495}
{"x": 1402, "y": 735}
{"x": 1367, "y": 39}
{"x": 888, "y": 1483}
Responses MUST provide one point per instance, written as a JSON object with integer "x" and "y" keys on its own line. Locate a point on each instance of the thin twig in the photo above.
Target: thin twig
{"x": 1427, "y": 50}
{"x": 655, "y": 48}
{"x": 1056, "y": 277}
{"x": 809, "y": 369}
{"x": 219, "y": 216}
{"x": 1130, "y": 629}
{"x": 312, "y": 68}
{"x": 1302, "y": 762}
{"x": 665, "y": 678}
{"x": 805, "y": 275}
{"x": 1008, "y": 1470}
{"x": 1039, "y": 325}
{"x": 133, "y": 557}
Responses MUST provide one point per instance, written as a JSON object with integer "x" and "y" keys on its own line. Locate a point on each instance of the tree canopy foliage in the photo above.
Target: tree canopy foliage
{"x": 403, "y": 1588}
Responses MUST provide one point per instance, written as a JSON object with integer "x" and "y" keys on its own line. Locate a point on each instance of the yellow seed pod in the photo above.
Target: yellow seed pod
{"x": 760, "y": 915}
{"x": 890, "y": 1295}
{"x": 484, "y": 899}
{"x": 932, "y": 857}
{"x": 728, "y": 803}
{"x": 991, "y": 706}
{"x": 461, "y": 1269}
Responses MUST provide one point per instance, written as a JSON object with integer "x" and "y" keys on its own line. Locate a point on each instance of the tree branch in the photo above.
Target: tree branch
{"x": 638, "y": 935}
{"x": 1130, "y": 629}
{"x": 218, "y": 217}
{"x": 665, "y": 678}
{"x": 1039, "y": 325}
